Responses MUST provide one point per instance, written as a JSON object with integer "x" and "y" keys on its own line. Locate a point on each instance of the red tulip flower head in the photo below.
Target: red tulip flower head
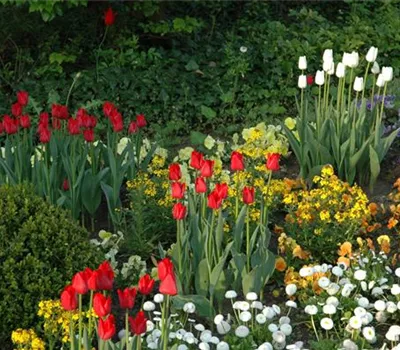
{"x": 59, "y": 111}
{"x": 133, "y": 128}
{"x": 108, "y": 109}
{"x": 109, "y": 17}
{"x": 146, "y": 284}
{"x": 237, "y": 162}
{"x": 248, "y": 195}
{"x": 273, "y": 161}
{"x": 22, "y": 98}
{"x": 196, "y": 160}
{"x": 105, "y": 276}
{"x": 214, "y": 200}
{"x": 179, "y": 211}
{"x": 25, "y": 121}
{"x": 16, "y": 109}
{"x": 175, "y": 173}
{"x": 164, "y": 268}
{"x": 141, "y": 121}
{"x": 222, "y": 190}
{"x": 88, "y": 135}
{"x": 167, "y": 277}
{"x": 69, "y": 300}
{"x": 101, "y": 305}
{"x": 79, "y": 282}
{"x": 107, "y": 328}
{"x": 200, "y": 185}
{"x": 138, "y": 324}
{"x": 10, "y": 125}
{"x": 207, "y": 168}
{"x": 117, "y": 121}
{"x": 73, "y": 127}
{"x": 127, "y": 298}
{"x": 310, "y": 79}
{"x": 44, "y": 136}
{"x": 178, "y": 190}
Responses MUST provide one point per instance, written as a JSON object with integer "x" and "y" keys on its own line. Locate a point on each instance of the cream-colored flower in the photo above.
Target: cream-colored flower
{"x": 290, "y": 123}
{"x": 209, "y": 142}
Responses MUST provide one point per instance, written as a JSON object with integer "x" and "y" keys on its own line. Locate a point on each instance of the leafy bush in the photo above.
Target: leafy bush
{"x": 40, "y": 249}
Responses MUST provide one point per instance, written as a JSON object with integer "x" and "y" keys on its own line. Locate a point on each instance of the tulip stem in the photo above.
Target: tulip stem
{"x": 164, "y": 317}
{"x": 349, "y": 93}
{"x": 80, "y": 321}
{"x": 139, "y": 342}
{"x": 179, "y": 243}
{"x": 90, "y": 316}
{"x": 365, "y": 81}
{"x": 126, "y": 328}
{"x": 71, "y": 332}
{"x": 248, "y": 238}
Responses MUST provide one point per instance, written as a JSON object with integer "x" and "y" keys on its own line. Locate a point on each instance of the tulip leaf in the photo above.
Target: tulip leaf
{"x": 238, "y": 230}
{"x": 203, "y": 307}
{"x": 201, "y": 278}
{"x": 374, "y": 165}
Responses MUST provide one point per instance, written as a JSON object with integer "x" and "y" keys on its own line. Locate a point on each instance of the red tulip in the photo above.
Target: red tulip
{"x": 101, "y": 305}
{"x": 10, "y": 125}
{"x": 237, "y": 162}
{"x": 214, "y": 200}
{"x": 107, "y": 328}
{"x": 141, "y": 121}
{"x": 200, "y": 185}
{"x": 80, "y": 115}
{"x": 88, "y": 135}
{"x": 138, "y": 324}
{"x": 273, "y": 161}
{"x": 175, "y": 173}
{"x": 16, "y": 109}
{"x": 168, "y": 285}
{"x": 56, "y": 123}
{"x": 79, "y": 283}
{"x": 69, "y": 300}
{"x": 45, "y": 135}
{"x": 248, "y": 195}
{"x": 65, "y": 185}
{"x": 25, "y": 121}
{"x": 44, "y": 119}
{"x": 196, "y": 160}
{"x": 178, "y": 190}
{"x": 92, "y": 280}
{"x": 73, "y": 126}
{"x": 108, "y": 108}
{"x": 179, "y": 211}
{"x": 310, "y": 79}
{"x": 146, "y": 284}
{"x": 207, "y": 168}
{"x": 59, "y": 111}
{"x": 117, "y": 121}
{"x": 127, "y": 298}
{"x": 222, "y": 190}
{"x": 164, "y": 268}
{"x": 133, "y": 128}
{"x": 1, "y": 128}
{"x": 109, "y": 17}
{"x": 105, "y": 278}
{"x": 88, "y": 272}
{"x": 22, "y": 98}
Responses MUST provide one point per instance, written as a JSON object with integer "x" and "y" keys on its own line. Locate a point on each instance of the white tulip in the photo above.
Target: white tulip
{"x": 242, "y": 332}
{"x": 346, "y": 59}
{"x": 326, "y": 323}
{"x": 354, "y": 59}
{"x": 327, "y": 65}
{"x": 359, "y": 86}
{"x": 328, "y": 55}
{"x": 291, "y": 289}
{"x": 340, "y": 70}
{"x": 302, "y": 63}
{"x": 371, "y": 54}
{"x": 320, "y": 77}
{"x": 375, "y": 68}
{"x": 302, "y": 82}
{"x": 387, "y": 73}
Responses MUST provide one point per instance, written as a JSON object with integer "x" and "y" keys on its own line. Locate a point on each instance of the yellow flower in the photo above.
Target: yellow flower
{"x": 324, "y": 215}
{"x": 383, "y": 238}
{"x": 290, "y": 123}
{"x": 209, "y": 142}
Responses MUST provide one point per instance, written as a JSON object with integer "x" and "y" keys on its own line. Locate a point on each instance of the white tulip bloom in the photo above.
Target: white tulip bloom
{"x": 302, "y": 82}
{"x": 340, "y": 70}
{"x": 302, "y": 63}
{"x": 387, "y": 73}
{"x": 359, "y": 86}
{"x": 320, "y": 77}
{"x": 353, "y": 59}
{"x": 328, "y": 55}
{"x": 375, "y": 68}
{"x": 372, "y": 54}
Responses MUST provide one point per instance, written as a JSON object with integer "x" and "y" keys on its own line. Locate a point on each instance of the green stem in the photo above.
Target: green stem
{"x": 349, "y": 92}
{"x": 248, "y": 238}
{"x": 71, "y": 332}
{"x": 365, "y": 81}
{"x": 165, "y": 324}
{"x": 71, "y": 87}
{"x": 90, "y": 317}
{"x": 126, "y": 328}
{"x": 315, "y": 330}
{"x": 80, "y": 321}
{"x": 138, "y": 342}
{"x": 98, "y": 52}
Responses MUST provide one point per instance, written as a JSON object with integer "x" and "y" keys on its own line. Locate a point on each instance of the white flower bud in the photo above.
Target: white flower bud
{"x": 320, "y": 77}
{"x": 387, "y": 73}
{"x": 302, "y": 63}
{"x": 372, "y": 53}
{"x": 328, "y": 55}
{"x": 375, "y": 68}
{"x": 380, "y": 82}
{"x": 340, "y": 70}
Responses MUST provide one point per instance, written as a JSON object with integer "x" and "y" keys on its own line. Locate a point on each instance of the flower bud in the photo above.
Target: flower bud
{"x": 358, "y": 84}
{"x": 340, "y": 70}
{"x": 302, "y": 62}
{"x": 387, "y": 73}
{"x": 327, "y": 65}
{"x": 375, "y": 68}
{"x": 380, "y": 82}
{"x": 320, "y": 77}
{"x": 371, "y": 55}
{"x": 354, "y": 59}
{"x": 302, "y": 83}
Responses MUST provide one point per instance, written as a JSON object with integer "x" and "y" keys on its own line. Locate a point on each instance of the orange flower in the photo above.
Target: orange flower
{"x": 397, "y": 184}
{"x": 278, "y": 229}
{"x": 373, "y": 227}
{"x": 298, "y": 252}
{"x": 370, "y": 244}
{"x": 344, "y": 260}
{"x": 280, "y": 264}
{"x": 345, "y": 249}
{"x": 392, "y": 223}
{"x": 373, "y": 208}
{"x": 385, "y": 246}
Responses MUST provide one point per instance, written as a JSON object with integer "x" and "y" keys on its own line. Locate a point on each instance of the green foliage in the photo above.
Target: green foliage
{"x": 47, "y": 9}
{"x": 40, "y": 250}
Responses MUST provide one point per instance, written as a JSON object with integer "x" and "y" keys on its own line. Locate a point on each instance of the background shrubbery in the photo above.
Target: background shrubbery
{"x": 182, "y": 65}
{"x": 40, "y": 249}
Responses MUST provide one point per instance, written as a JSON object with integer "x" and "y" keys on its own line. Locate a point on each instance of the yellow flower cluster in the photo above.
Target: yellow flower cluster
{"x": 27, "y": 339}
{"x": 331, "y": 202}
